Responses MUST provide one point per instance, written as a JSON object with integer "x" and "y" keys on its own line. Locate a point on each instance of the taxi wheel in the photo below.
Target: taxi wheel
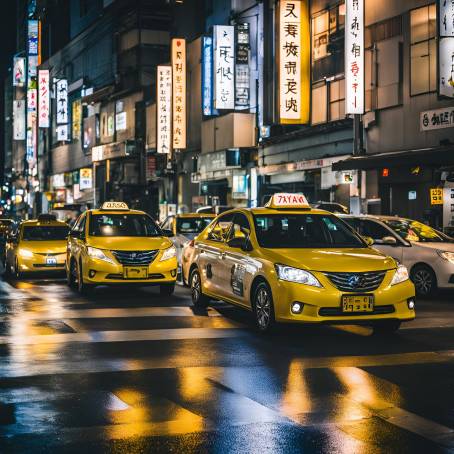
{"x": 388, "y": 327}
{"x": 264, "y": 308}
{"x": 424, "y": 279}
{"x": 166, "y": 289}
{"x": 198, "y": 298}
{"x": 17, "y": 273}
{"x": 71, "y": 276}
{"x": 82, "y": 287}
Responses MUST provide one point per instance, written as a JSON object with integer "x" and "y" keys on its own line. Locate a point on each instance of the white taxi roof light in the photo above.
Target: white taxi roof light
{"x": 114, "y": 206}
{"x": 286, "y": 200}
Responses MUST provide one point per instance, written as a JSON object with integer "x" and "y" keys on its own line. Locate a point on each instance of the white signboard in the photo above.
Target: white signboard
{"x": 179, "y": 93}
{"x": 62, "y": 133}
{"x": 446, "y": 67}
{"x": 354, "y": 57}
{"x": 121, "y": 121}
{"x": 62, "y": 101}
{"x": 224, "y": 67}
{"x": 85, "y": 178}
{"x": 32, "y": 99}
{"x": 436, "y": 119}
{"x": 97, "y": 153}
{"x": 19, "y": 72}
{"x": 164, "y": 109}
{"x": 446, "y": 15}
{"x": 19, "y": 119}
{"x": 44, "y": 98}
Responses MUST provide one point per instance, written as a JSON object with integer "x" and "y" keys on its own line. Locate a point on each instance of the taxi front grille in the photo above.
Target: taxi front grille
{"x": 135, "y": 258}
{"x": 121, "y": 277}
{"x": 337, "y": 311}
{"x": 357, "y": 282}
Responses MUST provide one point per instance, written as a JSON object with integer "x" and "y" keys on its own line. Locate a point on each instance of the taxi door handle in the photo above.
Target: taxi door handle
{"x": 222, "y": 255}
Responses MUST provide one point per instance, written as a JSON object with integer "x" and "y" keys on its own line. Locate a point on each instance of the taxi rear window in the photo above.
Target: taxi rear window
{"x": 192, "y": 225}
{"x": 304, "y": 231}
{"x": 123, "y": 225}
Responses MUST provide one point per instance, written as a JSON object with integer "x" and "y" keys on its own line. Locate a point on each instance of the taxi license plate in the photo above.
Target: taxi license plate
{"x": 135, "y": 272}
{"x": 357, "y": 303}
{"x": 51, "y": 261}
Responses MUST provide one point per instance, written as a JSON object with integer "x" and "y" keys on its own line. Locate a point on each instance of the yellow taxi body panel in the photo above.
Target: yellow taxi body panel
{"x": 134, "y": 267}
{"x": 230, "y": 274}
{"x": 28, "y": 256}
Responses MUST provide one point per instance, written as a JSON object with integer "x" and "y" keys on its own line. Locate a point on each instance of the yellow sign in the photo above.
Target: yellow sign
{"x": 77, "y": 119}
{"x": 114, "y": 206}
{"x": 294, "y": 61}
{"x": 436, "y": 196}
{"x": 179, "y": 92}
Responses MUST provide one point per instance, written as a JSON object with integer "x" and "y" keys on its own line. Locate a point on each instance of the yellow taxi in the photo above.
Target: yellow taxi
{"x": 288, "y": 262}
{"x": 116, "y": 245}
{"x": 36, "y": 246}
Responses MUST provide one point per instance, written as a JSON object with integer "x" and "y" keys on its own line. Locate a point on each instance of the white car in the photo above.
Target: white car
{"x": 427, "y": 253}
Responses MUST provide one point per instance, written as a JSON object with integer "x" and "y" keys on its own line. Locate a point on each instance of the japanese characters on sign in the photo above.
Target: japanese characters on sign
{"x": 19, "y": 72}
{"x": 446, "y": 48}
{"x": 179, "y": 92}
{"x": 242, "y": 67}
{"x": 436, "y": 196}
{"x": 62, "y": 133}
{"x": 294, "y": 61}
{"x": 19, "y": 119}
{"x": 31, "y": 138}
{"x": 207, "y": 75}
{"x": 33, "y": 37}
{"x": 85, "y": 178}
{"x": 164, "y": 109}
{"x": 354, "y": 57}
{"x": 437, "y": 119}
{"x": 32, "y": 99}
{"x": 224, "y": 66}
{"x": 77, "y": 120}
{"x": 44, "y": 98}
{"x": 61, "y": 94}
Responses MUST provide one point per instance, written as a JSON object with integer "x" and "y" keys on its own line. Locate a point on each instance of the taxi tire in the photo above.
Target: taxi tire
{"x": 82, "y": 287}
{"x": 424, "y": 279}
{"x": 199, "y": 300}
{"x": 387, "y": 327}
{"x": 263, "y": 308}
{"x": 166, "y": 289}
{"x": 17, "y": 273}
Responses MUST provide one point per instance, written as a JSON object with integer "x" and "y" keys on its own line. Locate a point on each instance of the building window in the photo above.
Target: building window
{"x": 328, "y": 42}
{"x": 337, "y": 100}
{"x": 423, "y": 50}
{"x": 319, "y": 104}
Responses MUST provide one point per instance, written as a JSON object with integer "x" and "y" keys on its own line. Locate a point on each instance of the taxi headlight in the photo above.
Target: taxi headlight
{"x": 25, "y": 253}
{"x": 169, "y": 253}
{"x": 99, "y": 254}
{"x": 449, "y": 256}
{"x": 400, "y": 275}
{"x": 288, "y": 273}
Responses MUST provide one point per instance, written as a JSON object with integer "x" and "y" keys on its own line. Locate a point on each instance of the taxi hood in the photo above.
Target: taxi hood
{"x": 129, "y": 243}
{"x": 45, "y": 247}
{"x": 333, "y": 260}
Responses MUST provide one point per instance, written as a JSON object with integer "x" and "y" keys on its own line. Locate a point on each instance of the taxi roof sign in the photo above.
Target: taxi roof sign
{"x": 114, "y": 206}
{"x": 285, "y": 200}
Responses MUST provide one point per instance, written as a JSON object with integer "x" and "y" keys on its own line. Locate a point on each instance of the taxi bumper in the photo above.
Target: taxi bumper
{"x": 323, "y": 305}
{"x": 40, "y": 263}
{"x": 101, "y": 272}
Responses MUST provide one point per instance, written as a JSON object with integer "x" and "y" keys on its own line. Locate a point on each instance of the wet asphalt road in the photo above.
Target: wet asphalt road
{"x": 126, "y": 370}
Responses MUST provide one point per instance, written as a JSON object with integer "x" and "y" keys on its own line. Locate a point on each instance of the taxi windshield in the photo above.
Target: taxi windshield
{"x": 192, "y": 225}
{"x": 304, "y": 231}
{"x": 123, "y": 225}
{"x": 416, "y": 231}
{"x": 45, "y": 233}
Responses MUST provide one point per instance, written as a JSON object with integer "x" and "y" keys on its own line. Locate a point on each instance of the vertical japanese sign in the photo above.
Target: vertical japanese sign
{"x": 164, "y": 109}
{"x": 19, "y": 119}
{"x": 77, "y": 120}
{"x": 179, "y": 92}
{"x": 31, "y": 138}
{"x": 19, "y": 72}
{"x": 207, "y": 75}
{"x": 33, "y": 50}
{"x": 446, "y": 48}
{"x": 61, "y": 108}
{"x": 224, "y": 67}
{"x": 242, "y": 67}
{"x": 354, "y": 57}
{"x": 85, "y": 178}
{"x": 44, "y": 98}
{"x": 32, "y": 99}
{"x": 294, "y": 61}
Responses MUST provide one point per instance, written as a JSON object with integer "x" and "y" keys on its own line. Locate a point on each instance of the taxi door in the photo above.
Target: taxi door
{"x": 237, "y": 264}
{"x": 210, "y": 254}
{"x": 75, "y": 239}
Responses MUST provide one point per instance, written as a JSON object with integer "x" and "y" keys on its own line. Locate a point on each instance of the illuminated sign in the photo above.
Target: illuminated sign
{"x": 436, "y": 119}
{"x": 164, "y": 109}
{"x": 85, "y": 178}
{"x": 62, "y": 101}
{"x": 121, "y": 121}
{"x": 354, "y": 57}
{"x": 446, "y": 48}
{"x": 32, "y": 99}
{"x": 179, "y": 92}
{"x": 77, "y": 119}
{"x": 294, "y": 61}
{"x": 436, "y": 196}
{"x": 224, "y": 66}
{"x": 33, "y": 37}
{"x": 62, "y": 133}
{"x": 446, "y": 18}
{"x": 19, "y": 119}
{"x": 31, "y": 138}
{"x": 207, "y": 75}
{"x": 242, "y": 67}
{"x": 44, "y": 98}
{"x": 19, "y": 72}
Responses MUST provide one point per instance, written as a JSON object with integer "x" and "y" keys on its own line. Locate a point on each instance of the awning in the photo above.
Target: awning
{"x": 439, "y": 156}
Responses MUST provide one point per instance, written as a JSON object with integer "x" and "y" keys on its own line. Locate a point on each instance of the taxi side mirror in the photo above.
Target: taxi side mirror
{"x": 241, "y": 243}
{"x": 168, "y": 233}
{"x": 75, "y": 234}
{"x": 369, "y": 241}
{"x": 389, "y": 240}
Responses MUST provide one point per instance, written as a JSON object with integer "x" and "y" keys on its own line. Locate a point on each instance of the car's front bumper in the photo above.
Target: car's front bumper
{"x": 103, "y": 273}
{"x": 38, "y": 263}
{"x": 323, "y": 305}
